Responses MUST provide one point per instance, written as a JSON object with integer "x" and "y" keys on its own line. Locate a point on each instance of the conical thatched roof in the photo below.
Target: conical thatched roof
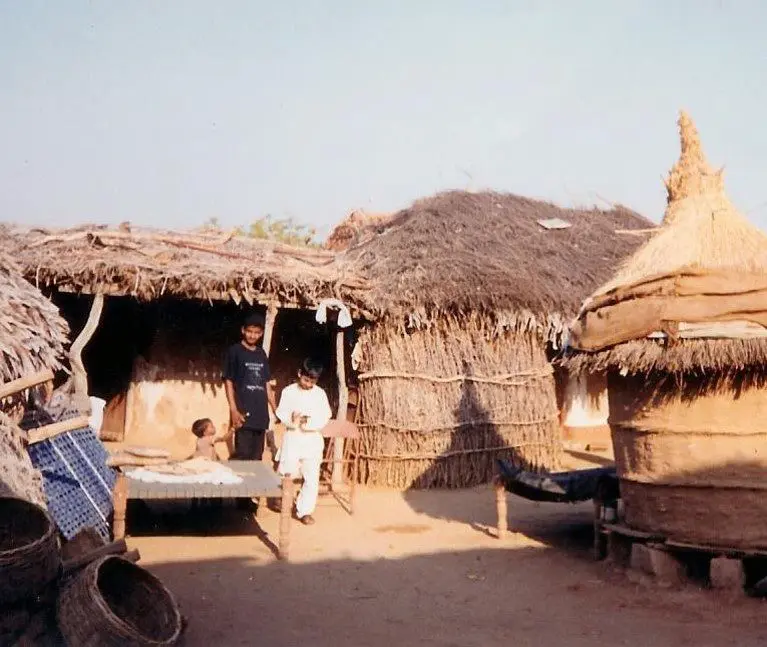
{"x": 525, "y": 261}
{"x": 32, "y": 332}
{"x": 694, "y": 296}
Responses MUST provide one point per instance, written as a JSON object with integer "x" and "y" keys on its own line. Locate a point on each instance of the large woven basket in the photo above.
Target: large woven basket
{"x": 29, "y": 550}
{"x": 115, "y": 603}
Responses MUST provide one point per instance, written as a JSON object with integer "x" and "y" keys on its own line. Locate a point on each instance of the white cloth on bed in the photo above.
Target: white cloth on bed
{"x": 217, "y": 475}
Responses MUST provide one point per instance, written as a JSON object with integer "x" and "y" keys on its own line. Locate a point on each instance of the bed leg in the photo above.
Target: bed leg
{"x": 120, "y": 504}
{"x": 501, "y": 507}
{"x": 600, "y": 541}
{"x": 286, "y": 514}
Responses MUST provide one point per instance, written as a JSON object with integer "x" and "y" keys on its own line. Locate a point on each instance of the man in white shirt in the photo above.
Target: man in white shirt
{"x": 304, "y": 410}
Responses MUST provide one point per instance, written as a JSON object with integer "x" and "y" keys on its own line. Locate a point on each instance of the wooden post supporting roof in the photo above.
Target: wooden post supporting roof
{"x": 79, "y": 374}
{"x": 266, "y": 344}
{"x": 343, "y": 404}
{"x": 271, "y": 317}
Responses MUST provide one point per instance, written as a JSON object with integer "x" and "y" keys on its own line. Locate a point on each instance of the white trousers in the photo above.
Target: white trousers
{"x": 301, "y": 454}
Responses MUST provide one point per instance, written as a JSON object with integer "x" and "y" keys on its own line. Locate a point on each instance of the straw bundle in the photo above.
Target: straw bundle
{"x": 438, "y": 406}
{"x": 353, "y": 229}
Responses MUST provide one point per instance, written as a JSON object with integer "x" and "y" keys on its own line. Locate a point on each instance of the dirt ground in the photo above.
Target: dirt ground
{"x": 423, "y": 568}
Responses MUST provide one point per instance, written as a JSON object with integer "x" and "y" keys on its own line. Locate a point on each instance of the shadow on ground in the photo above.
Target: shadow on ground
{"x": 479, "y": 598}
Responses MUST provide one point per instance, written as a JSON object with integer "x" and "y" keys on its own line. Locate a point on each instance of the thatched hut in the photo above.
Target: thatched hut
{"x": 32, "y": 339}
{"x": 470, "y": 293}
{"x": 681, "y": 330}
{"x": 161, "y": 308}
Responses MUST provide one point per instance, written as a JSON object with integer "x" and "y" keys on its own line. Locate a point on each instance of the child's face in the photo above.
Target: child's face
{"x": 210, "y": 430}
{"x": 306, "y": 382}
{"x": 251, "y": 335}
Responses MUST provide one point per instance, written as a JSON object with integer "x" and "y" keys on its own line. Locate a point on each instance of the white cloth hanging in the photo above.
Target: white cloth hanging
{"x": 344, "y": 315}
{"x": 96, "y": 419}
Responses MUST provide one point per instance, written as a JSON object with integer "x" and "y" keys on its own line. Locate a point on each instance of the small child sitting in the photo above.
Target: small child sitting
{"x": 304, "y": 410}
{"x": 205, "y": 431}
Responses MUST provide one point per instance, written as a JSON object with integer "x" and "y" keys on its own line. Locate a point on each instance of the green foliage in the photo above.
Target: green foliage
{"x": 281, "y": 230}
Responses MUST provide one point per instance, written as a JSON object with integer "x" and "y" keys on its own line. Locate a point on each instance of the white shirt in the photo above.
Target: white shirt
{"x": 312, "y": 403}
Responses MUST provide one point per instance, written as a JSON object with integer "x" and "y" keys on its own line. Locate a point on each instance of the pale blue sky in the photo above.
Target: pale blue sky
{"x": 172, "y": 112}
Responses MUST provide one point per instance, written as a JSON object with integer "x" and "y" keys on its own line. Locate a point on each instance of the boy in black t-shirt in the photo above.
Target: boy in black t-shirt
{"x": 249, "y": 391}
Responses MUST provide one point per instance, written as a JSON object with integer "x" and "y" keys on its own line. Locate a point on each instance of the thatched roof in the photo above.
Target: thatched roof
{"x": 208, "y": 265}
{"x": 496, "y": 252}
{"x": 32, "y": 333}
{"x": 698, "y": 287}
{"x": 355, "y": 228}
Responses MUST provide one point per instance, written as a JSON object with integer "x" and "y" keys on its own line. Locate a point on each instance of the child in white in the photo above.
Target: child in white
{"x": 304, "y": 410}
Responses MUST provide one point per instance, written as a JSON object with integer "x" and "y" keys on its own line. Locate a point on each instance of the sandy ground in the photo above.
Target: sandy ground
{"x": 423, "y": 568}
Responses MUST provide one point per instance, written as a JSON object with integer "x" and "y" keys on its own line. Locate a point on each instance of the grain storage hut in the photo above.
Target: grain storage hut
{"x": 682, "y": 332}
{"x": 471, "y": 292}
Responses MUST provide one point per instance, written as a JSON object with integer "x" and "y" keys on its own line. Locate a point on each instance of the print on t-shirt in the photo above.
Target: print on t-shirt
{"x": 249, "y": 372}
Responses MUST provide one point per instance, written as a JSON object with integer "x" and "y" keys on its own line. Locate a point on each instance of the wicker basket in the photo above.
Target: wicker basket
{"x": 114, "y": 602}
{"x": 29, "y": 550}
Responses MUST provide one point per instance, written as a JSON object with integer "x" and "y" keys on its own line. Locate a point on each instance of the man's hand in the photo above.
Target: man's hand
{"x": 236, "y": 418}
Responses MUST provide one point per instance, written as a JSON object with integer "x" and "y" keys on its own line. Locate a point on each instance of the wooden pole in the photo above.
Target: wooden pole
{"x": 500, "y": 507}
{"x": 286, "y": 513}
{"x": 343, "y": 404}
{"x": 120, "y": 502}
{"x": 266, "y": 344}
{"x": 271, "y": 317}
{"x": 54, "y": 429}
{"x": 118, "y": 547}
{"x": 600, "y": 540}
{"x": 79, "y": 374}
{"x": 25, "y": 382}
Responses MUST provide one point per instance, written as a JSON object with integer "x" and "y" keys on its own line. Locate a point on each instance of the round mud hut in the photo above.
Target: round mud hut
{"x": 470, "y": 293}
{"x": 681, "y": 331}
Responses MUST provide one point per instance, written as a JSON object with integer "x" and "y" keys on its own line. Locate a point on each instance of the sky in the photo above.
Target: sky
{"x": 168, "y": 113}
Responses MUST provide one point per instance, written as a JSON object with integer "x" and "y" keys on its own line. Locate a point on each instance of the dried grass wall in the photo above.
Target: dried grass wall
{"x": 438, "y": 406}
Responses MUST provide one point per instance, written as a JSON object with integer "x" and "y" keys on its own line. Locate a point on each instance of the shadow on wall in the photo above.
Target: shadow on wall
{"x": 471, "y": 417}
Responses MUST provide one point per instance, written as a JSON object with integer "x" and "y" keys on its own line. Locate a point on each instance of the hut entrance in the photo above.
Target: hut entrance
{"x": 158, "y": 364}
{"x": 297, "y": 336}
{"x": 124, "y": 333}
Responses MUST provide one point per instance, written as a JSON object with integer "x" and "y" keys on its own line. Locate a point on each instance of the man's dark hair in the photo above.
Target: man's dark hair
{"x": 199, "y": 426}
{"x": 311, "y": 368}
{"x": 253, "y": 319}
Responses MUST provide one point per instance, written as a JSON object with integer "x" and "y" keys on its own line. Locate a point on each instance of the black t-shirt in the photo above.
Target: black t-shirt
{"x": 249, "y": 372}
